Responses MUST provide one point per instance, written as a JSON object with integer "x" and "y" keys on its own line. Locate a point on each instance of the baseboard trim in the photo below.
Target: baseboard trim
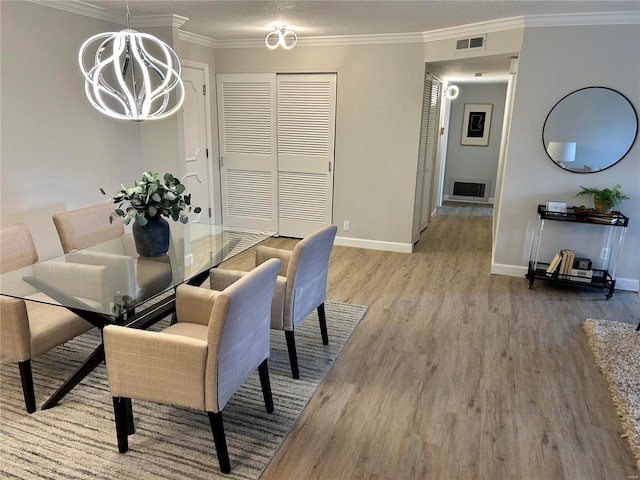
{"x": 374, "y": 244}
{"x": 628, "y": 284}
{"x": 508, "y": 270}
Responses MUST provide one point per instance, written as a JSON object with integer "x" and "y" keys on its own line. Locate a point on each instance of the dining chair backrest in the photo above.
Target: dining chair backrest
{"x": 17, "y": 249}
{"x": 307, "y": 274}
{"x": 240, "y": 327}
{"x": 86, "y": 227}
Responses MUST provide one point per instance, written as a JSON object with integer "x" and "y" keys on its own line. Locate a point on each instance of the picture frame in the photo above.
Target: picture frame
{"x": 476, "y": 124}
{"x": 557, "y": 207}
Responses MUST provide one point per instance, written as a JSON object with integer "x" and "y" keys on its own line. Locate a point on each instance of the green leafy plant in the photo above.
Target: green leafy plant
{"x": 152, "y": 196}
{"x": 611, "y": 196}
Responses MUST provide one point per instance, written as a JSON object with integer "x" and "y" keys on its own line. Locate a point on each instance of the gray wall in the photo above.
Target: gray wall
{"x": 554, "y": 62}
{"x": 471, "y": 161}
{"x": 379, "y": 102}
{"x": 57, "y": 150}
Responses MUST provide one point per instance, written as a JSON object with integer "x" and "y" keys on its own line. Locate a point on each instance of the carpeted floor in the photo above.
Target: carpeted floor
{"x": 616, "y": 347}
{"x": 76, "y": 439}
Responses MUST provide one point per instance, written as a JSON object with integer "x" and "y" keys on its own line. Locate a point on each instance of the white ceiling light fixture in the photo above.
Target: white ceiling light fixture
{"x": 134, "y": 76}
{"x": 452, "y": 92}
{"x": 281, "y": 37}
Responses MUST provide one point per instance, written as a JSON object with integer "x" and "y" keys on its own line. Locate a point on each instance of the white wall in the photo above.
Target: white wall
{"x": 472, "y": 161}
{"x": 379, "y": 101}
{"x": 555, "y": 61}
{"x": 57, "y": 150}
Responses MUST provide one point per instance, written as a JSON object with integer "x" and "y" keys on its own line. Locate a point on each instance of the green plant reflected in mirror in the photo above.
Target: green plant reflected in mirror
{"x": 590, "y": 130}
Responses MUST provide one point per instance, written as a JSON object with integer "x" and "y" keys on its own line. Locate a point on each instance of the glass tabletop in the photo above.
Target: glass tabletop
{"x": 110, "y": 278}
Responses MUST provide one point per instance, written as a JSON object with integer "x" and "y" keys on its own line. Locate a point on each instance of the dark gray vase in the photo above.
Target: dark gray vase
{"x": 152, "y": 239}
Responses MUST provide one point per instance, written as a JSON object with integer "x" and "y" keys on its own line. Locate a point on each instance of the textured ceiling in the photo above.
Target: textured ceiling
{"x": 252, "y": 20}
{"x": 240, "y": 19}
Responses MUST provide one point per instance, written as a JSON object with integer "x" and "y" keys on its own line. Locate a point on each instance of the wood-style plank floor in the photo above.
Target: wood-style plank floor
{"x": 455, "y": 373}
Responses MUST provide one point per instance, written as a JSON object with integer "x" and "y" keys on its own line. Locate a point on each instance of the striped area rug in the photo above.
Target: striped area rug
{"x": 77, "y": 440}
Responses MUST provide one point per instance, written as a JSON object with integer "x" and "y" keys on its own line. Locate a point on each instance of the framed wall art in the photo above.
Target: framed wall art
{"x": 476, "y": 124}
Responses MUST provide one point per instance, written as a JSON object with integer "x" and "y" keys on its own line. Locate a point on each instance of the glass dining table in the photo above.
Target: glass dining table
{"x": 109, "y": 283}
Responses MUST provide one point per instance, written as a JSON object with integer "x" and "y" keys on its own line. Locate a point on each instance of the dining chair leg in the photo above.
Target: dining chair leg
{"x": 323, "y": 324}
{"x": 263, "y": 369}
{"x": 293, "y": 356}
{"x": 131, "y": 429}
{"x": 120, "y": 413}
{"x": 217, "y": 428}
{"x": 27, "y": 385}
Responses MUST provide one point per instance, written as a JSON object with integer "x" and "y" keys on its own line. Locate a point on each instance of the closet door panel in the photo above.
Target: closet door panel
{"x": 248, "y": 150}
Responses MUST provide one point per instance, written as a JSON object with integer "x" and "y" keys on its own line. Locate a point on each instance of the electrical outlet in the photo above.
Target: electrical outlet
{"x": 604, "y": 253}
{"x": 346, "y": 225}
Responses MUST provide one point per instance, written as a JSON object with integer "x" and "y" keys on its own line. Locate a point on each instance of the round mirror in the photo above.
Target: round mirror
{"x": 590, "y": 130}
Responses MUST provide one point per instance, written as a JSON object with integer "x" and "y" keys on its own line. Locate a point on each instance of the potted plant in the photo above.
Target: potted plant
{"x": 604, "y": 199}
{"x": 582, "y": 212}
{"x": 150, "y": 199}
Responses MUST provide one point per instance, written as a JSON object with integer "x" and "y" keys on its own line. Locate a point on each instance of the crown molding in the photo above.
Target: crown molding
{"x": 331, "y": 41}
{"x": 168, "y": 20}
{"x": 361, "y": 39}
{"x": 198, "y": 39}
{"x": 479, "y": 28}
{"x": 82, "y": 8}
{"x": 100, "y": 13}
{"x": 583, "y": 19}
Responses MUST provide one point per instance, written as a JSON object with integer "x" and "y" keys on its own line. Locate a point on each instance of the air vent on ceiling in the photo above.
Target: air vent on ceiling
{"x": 471, "y": 43}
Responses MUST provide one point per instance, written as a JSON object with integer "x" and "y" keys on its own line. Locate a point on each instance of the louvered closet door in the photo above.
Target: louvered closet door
{"x": 306, "y": 132}
{"x": 423, "y": 204}
{"x": 247, "y": 133}
{"x": 431, "y": 151}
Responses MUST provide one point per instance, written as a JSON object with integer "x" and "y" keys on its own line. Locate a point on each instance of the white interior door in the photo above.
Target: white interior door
{"x": 423, "y": 202}
{"x": 248, "y": 153}
{"x": 306, "y": 132}
{"x": 199, "y": 176}
{"x": 430, "y": 153}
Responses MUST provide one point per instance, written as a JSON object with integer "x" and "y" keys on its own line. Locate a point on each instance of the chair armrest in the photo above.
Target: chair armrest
{"x": 195, "y": 304}
{"x": 219, "y": 278}
{"x": 155, "y": 366}
{"x": 15, "y": 335}
{"x": 265, "y": 253}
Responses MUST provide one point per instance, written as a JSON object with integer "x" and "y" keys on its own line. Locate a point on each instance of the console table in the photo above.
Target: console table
{"x": 615, "y": 224}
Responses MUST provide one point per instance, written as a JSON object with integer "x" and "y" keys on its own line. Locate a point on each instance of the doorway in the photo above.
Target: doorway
{"x": 471, "y": 150}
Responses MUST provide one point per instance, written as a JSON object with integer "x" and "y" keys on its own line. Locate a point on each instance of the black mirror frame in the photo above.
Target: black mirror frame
{"x": 635, "y": 113}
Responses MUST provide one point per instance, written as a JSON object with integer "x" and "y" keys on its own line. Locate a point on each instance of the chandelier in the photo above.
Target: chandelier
{"x": 281, "y": 37}
{"x": 133, "y": 76}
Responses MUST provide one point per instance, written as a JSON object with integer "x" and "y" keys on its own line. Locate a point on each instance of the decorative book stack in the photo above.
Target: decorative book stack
{"x": 567, "y": 266}
{"x": 581, "y": 271}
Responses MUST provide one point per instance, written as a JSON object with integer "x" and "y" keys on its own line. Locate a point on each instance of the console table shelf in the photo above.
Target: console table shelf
{"x": 603, "y": 278}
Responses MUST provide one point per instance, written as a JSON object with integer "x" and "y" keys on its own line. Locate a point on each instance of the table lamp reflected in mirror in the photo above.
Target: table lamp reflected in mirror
{"x": 561, "y": 152}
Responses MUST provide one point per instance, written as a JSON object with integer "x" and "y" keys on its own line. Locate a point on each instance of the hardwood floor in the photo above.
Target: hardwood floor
{"x": 455, "y": 373}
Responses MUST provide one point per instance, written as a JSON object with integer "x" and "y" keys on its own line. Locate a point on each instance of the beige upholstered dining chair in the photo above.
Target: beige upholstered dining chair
{"x": 301, "y": 286}
{"x": 86, "y": 227}
{"x": 219, "y": 339}
{"x": 27, "y": 328}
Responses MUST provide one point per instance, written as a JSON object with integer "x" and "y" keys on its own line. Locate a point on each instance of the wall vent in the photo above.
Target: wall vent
{"x": 470, "y": 189}
{"x": 471, "y": 43}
